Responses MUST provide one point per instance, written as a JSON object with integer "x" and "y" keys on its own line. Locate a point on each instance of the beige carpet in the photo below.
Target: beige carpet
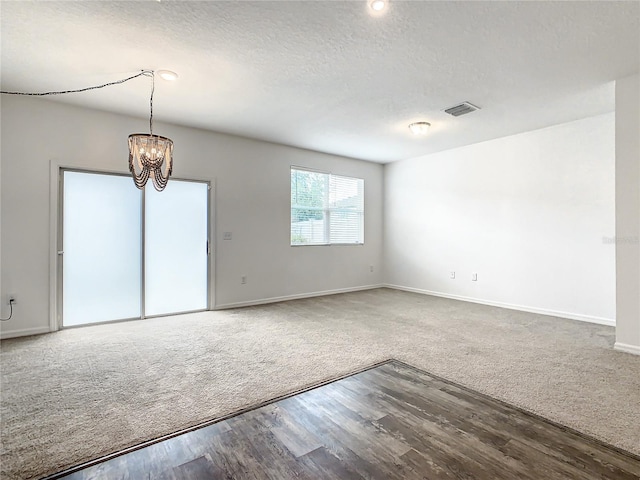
{"x": 70, "y": 396}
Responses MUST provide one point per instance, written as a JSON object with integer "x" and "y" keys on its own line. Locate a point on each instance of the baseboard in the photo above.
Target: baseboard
{"x": 625, "y": 347}
{"x": 542, "y": 311}
{"x": 299, "y": 296}
{"x": 24, "y": 332}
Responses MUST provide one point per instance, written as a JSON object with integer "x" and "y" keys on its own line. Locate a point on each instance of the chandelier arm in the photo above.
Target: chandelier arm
{"x": 145, "y": 73}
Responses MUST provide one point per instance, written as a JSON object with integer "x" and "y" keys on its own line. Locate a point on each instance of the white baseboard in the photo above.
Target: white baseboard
{"x": 263, "y": 301}
{"x": 542, "y": 311}
{"x": 625, "y": 347}
{"x": 573, "y": 316}
{"x": 24, "y": 332}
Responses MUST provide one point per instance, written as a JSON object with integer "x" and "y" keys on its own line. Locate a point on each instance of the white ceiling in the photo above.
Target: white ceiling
{"x": 327, "y": 75}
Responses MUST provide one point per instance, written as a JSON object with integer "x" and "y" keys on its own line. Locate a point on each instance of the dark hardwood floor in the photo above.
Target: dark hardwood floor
{"x": 390, "y": 422}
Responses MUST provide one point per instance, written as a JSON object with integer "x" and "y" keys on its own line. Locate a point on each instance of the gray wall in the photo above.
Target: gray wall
{"x": 628, "y": 213}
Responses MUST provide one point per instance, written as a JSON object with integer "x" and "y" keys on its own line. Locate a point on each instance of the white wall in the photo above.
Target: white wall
{"x": 251, "y": 195}
{"x": 530, "y": 213}
{"x": 628, "y": 214}
{"x": 527, "y": 213}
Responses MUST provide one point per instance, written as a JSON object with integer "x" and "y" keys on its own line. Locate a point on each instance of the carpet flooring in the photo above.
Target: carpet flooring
{"x": 73, "y": 395}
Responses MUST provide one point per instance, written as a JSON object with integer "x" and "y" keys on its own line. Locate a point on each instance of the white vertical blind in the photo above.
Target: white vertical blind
{"x": 326, "y": 209}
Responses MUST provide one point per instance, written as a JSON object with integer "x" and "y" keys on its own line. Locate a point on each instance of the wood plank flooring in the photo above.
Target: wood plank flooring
{"x": 390, "y": 422}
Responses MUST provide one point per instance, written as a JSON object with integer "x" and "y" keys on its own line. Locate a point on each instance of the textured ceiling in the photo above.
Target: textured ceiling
{"x": 327, "y": 75}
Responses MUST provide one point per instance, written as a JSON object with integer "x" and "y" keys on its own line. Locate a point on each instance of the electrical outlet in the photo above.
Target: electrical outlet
{"x": 11, "y": 299}
{"x": 452, "y": 274}
{"x": 227, "y": 236}
{"x": 243, "y": 279}
{"x": 474, "y": 277}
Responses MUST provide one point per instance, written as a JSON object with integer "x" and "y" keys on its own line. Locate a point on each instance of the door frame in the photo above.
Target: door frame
{"x": 56, "y": 211}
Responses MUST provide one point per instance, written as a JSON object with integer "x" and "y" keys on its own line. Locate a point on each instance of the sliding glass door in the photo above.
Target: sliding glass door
{"x": 128, "y": 253}
{"x": 102, "y": 248}
{"x": 176, "y": 248}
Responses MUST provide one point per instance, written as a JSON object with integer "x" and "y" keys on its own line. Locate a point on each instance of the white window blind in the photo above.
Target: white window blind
{"x": 326, "y": 209}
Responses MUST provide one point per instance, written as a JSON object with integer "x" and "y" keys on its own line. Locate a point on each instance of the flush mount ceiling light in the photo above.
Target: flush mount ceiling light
{"x": 378, "y": 6}
{"x": 419, "y": 128}
{"x": 168, "y": 75}
{"x": 150, "y": 156}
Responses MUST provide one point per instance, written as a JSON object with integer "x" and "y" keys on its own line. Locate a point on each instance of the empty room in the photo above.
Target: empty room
{"x": 363, "y": 239}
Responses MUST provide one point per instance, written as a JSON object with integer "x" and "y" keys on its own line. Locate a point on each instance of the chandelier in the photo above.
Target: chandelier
{"x": 150, "y": 156}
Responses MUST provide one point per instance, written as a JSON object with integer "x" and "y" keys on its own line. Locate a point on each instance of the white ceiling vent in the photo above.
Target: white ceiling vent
{"x": 461, "y": 109}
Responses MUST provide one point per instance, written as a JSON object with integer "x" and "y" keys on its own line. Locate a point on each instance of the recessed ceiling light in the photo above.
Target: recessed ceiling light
{"x": 419, "y": 128}
{"x": 378, "y": 5}
{"x": 168, "y": 75}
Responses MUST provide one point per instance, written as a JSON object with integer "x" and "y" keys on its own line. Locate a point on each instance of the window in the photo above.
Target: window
{"x": 326, "y": 209}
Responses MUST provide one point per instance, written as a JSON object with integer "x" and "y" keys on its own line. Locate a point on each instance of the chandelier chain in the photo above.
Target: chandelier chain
{"x": 153, "y": 87}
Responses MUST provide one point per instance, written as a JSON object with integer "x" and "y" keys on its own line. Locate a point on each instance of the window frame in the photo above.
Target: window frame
{"x": 326, "y": 209}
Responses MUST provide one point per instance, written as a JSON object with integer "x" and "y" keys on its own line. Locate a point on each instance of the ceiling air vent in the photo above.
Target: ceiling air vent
{"x": 462, "y": 109}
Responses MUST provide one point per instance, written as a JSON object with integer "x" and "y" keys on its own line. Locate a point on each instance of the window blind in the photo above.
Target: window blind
{"x": 326, "y": 209}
